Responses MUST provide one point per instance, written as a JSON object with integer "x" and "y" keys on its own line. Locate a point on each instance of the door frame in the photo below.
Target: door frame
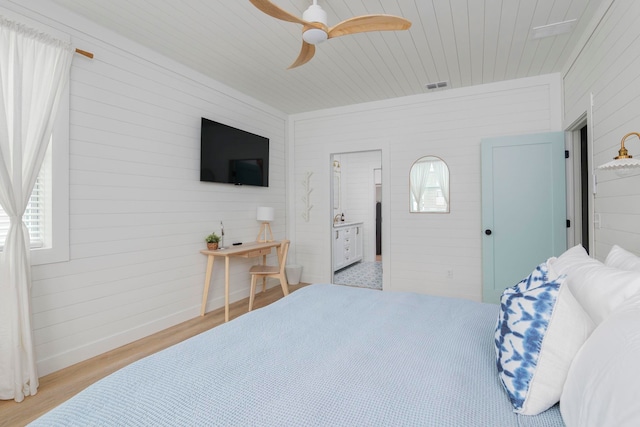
{"x": 574, "y": 182}
{"x": 332, "y": 156}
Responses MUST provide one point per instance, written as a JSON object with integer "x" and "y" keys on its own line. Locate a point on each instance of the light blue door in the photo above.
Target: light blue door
{"x": 523, "y": 207}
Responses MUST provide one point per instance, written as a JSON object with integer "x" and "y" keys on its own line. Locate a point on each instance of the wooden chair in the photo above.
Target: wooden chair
{"x": 277, "y": 271}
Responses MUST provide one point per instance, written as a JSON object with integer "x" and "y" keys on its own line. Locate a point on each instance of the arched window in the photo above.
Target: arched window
{"x": 429, "y": 185}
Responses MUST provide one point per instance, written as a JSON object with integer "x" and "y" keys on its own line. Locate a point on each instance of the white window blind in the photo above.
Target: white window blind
{"x": 34, "y": 216}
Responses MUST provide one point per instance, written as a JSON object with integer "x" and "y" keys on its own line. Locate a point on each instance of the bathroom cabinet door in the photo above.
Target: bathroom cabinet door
{"x": 358, "y": 238}
{"x": 338, "y": 249}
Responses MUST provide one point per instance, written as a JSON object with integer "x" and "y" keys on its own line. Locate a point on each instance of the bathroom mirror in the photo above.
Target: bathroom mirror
{"x": 336, "y": 192}
{"x": 429, "y": 186}
{"x": 336, "y": 186}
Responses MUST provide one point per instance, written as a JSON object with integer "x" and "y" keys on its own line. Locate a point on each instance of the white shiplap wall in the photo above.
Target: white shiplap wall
{"x": 138, "y": 213}
{"x": 607, "y": 70}
{"x": 418, "y": 249}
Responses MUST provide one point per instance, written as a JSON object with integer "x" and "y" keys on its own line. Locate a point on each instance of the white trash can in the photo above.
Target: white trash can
{"x": 294, "y": 272}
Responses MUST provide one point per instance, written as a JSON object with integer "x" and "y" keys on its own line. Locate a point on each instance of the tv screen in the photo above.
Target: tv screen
{"x": 233, "y": 156}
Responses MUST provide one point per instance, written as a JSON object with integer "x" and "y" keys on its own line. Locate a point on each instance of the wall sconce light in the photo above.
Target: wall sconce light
{"x": 623, "y": 164}
{"x": 266, "y": 215}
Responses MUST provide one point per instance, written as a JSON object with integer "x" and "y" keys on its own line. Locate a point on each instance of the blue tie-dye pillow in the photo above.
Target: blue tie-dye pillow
{"x": 528, "y": 315}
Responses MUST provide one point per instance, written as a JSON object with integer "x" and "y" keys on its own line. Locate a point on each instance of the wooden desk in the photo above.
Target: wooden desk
{"x": 246, "y": 250}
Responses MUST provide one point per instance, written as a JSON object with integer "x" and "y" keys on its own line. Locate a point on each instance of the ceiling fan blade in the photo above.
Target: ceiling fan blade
{"x": 272, "y": 10}
{"x": 306, "y": 53}
{"x": 366, "y": 23}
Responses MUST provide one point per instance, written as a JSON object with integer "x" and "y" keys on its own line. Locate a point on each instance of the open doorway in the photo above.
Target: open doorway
{"x": 356, "y": 206}
{"x": 377, "y": 181}
{"x": 580, "y": 187}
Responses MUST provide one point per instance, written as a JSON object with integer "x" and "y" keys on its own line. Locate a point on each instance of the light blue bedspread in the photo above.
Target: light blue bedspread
{"x": 326, "y": 355}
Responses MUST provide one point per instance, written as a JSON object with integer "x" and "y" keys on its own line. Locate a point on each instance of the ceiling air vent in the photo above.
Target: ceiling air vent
{"x": 438, "y": 85}
{"x": 554, "y": 29}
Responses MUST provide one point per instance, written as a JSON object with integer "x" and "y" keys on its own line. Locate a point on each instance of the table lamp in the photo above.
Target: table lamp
{"x": 266, "y": 215}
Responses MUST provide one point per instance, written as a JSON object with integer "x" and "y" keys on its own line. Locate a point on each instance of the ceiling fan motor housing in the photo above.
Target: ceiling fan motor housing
{"x": 315, "y": 14}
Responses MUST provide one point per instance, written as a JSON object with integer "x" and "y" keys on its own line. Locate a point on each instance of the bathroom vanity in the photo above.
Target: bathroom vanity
{"x": 347, "y": 244}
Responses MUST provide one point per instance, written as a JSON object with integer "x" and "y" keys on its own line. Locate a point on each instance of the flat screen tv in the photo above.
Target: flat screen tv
{"x": 233, "y": 156}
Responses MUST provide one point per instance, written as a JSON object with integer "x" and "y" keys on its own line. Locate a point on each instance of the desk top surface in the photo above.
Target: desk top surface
{"x": 239, "y": 249}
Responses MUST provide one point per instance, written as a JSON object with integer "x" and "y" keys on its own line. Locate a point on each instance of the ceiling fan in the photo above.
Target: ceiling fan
{"x": 315, "y": 29}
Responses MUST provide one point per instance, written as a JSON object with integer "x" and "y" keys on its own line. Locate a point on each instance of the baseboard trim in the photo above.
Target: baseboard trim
{"x": 84, "y": 352}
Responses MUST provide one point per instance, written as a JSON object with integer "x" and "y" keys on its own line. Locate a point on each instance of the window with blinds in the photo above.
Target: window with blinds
{"x": 42, "y": 217}
{"x": 34, "y": 216}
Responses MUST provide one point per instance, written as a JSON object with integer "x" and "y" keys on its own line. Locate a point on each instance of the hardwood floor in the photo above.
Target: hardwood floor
{"x": 59, "y": 386}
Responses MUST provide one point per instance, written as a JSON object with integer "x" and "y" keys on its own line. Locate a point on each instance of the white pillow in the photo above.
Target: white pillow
{"x": 598, "y": 288}
{"x": 622, "y": 259}
{"x": 540, "y": 328}
{"x": 603, "y": 384}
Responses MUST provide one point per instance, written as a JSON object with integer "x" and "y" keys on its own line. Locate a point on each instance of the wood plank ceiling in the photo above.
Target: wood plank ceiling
{"x": 463, "y": 42}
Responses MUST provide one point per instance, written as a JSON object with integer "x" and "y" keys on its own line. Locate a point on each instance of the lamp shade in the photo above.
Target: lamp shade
{"x": 623, "y": 164}
{"x": 627, "y": 163}
{"x": 265, "y": 214}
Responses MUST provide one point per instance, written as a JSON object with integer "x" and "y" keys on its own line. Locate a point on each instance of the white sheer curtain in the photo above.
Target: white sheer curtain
{"x": 418, "y": 183}
{"x": 34, "y": 69}
{"x": 442, "y": 174}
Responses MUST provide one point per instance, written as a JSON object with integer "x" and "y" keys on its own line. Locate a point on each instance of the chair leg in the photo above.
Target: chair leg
{"x": 264, "y": 278}
{"x": 284, "y": 284}
{"x": 254, "y": 279}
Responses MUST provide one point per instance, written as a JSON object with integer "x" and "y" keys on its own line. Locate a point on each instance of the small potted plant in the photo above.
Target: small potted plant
{"x": 212, "y": 241}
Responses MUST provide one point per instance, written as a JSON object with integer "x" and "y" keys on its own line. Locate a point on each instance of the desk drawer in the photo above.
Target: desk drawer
{"x": 257, "y": 252}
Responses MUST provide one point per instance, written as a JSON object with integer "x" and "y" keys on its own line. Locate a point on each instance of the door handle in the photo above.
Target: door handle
{"x": 487, "y": 232}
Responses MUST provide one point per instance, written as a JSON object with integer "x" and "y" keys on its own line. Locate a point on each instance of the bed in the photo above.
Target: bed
{"x": 331, "y": 355}
{"x": 326, "y": 355}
